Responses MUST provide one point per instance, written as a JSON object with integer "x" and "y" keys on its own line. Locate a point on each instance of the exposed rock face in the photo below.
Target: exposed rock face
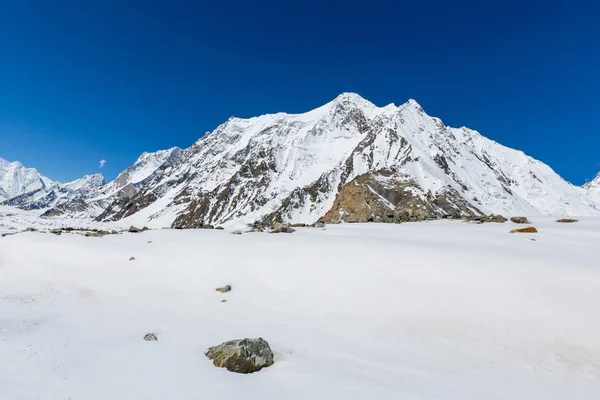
{"x": 384, "y": 196}
{"x": 243, "y": 356}
{"x": 519, "y": 220}
{"x": 529, "y": 229}
{"x": 133, "y": 229}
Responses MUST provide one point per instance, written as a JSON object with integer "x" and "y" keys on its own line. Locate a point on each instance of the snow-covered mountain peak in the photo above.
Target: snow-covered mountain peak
{"x": 94, "y": 181}
{"x": 145, "y": 166}
{"x": 142, "y": 156}
{"x": 15, "y": 179}
{"x": 354, "y": 99}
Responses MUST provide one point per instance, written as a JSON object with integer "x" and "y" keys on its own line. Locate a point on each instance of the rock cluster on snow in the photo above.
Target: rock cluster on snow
{"x": 279, "y": 227}
{"x": 482, "y": 219}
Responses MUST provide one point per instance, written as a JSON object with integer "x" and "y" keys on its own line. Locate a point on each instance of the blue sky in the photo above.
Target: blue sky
{"x": 91, "y": 80}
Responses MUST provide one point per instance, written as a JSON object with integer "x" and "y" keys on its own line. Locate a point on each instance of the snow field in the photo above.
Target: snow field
{"x": 436, "y": 310}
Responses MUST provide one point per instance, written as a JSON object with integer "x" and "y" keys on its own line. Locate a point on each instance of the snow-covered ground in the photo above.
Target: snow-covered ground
{"x": 14, "y": 220}
{"x": 437, "y": 310}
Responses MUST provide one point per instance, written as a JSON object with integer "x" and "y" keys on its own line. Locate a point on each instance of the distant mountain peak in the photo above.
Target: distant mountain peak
{"x": 351, "y": 97}
{"x": 15, "y": 179}
{"x": 594, "y": 183}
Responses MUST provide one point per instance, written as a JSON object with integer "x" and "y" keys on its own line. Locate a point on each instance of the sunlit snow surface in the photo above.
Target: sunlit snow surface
{"x": 436, "y": 310}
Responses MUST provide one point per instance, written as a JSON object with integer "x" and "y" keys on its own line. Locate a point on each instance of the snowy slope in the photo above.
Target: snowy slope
{"x": 15, "y": 179}
{"x": 487, "y": 315}
{"x": 146, "y": 166}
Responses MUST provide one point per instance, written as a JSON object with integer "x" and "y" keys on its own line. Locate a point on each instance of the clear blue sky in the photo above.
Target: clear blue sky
{"x": 82, "y": 81}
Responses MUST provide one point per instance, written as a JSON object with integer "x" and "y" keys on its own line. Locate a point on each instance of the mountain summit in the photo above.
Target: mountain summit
{"x": 347, "y": 160}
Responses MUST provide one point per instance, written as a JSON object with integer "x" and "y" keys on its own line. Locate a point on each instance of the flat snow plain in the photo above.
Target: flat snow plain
{"x": 436, "y": 310}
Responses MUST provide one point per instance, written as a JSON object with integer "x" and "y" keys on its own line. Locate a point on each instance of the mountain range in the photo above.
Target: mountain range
{"x": 346, "y": 161}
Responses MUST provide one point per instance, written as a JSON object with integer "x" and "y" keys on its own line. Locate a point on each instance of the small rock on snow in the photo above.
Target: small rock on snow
{"x": 529, "y": 229}
{"x": 224, "y": 289}
{"x": 150, "y": 337}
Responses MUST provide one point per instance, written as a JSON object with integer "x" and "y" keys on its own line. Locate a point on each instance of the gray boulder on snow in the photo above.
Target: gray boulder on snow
{"x": 243, "y": 356}
{"x": 150, "y": 337}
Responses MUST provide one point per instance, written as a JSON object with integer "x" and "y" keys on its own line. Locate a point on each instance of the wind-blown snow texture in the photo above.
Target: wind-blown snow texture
{"x": 434, "y": 310}
{"x": 292, "y": 167}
